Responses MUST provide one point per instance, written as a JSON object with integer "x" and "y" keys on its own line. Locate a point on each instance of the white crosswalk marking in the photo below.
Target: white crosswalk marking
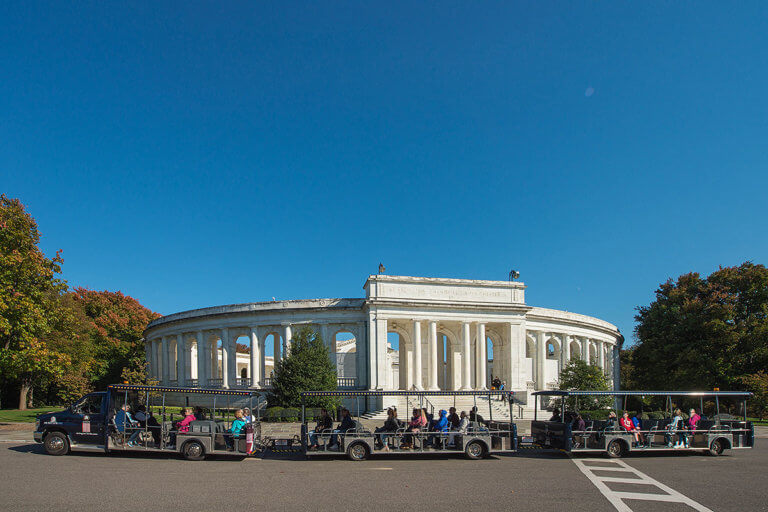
{"x": 620, "y": 469}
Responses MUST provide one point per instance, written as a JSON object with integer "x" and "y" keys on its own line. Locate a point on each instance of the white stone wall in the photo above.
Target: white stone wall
{"x": 530, "y": 345}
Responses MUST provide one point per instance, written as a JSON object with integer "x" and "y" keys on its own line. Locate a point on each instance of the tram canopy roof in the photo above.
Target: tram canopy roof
{"x": 196, "y": 391}
{"x": 350, "y": 393}
{"x": 558, "y": 392}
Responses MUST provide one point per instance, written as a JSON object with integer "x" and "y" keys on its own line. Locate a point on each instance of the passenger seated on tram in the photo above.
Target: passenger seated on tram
{"x": 237, "y": 425}
{"x": 199, "y": 414}
{"x": 474, "y": 416}
{"x": 247, "y": 416}
{"x": 578, "y": 424}
{"x": 556, "y": 416}
{"x": 347, "y": 423}
{"x": 390, "y": 426}
{"x": 453, "y": 418}
{"x": 141, "y": 416}
{"x": 677, "y": 426}
{"x": 628, "y": 425}
{"x": 693, "y": 420}
{"x": 430, "y": 417}
{"x": 441, "y": 425}
{"x": 125, "y": 422}
{"x": 610, "y": 423}
{"x": 417, "y": 424}
{"x": 324, "y": 424}
{"x": 462, "y": 429}
{"x": 154, "y": 428}
{"x": 183, "y": 425}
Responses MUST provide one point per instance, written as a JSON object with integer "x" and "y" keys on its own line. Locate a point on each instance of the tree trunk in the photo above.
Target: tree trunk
{"x": 23, "y": 392}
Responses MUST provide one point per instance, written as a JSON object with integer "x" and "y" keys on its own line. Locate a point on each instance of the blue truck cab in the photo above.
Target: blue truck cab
{"x": 81, "y": 426}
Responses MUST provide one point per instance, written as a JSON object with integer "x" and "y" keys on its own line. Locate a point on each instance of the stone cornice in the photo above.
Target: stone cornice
{"x": 545, "y": 314}
{"x": 259, "y": 307}
{"x": 440, "y": 280}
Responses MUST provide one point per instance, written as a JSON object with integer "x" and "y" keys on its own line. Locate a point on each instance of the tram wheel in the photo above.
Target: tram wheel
{"x": 56, "y": 443}
{"x": 194, "y": 450}
{"x": 357, "y": 451}
{"x": 716, "y": 448}
{"x": 616, "y": 449}
{"x": 475, "y": 450}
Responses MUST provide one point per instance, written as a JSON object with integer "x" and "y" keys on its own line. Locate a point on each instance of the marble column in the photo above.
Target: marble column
{"x": 601, "y": 355}
{"x": 225, "y": 359}
{"x": 255, "y": 374}
{"x": 181, "y": 379}
{"x": 166, "y": 353}
{"x": 276, "y": 349}
{"x": 409, "y": 366}
{"x": 287, "y": 335}
{"x": 466, "y": 368}
{"x": 585, "y": 350}
{"x": 541, "y": 357}
{"x": 153, "y": 371}
{"x": 432, "y": 379}
{"x": 379, "y": 370}
{"x": 417, "y": 381}
{"x": 330, "y": 343}
{"x": 214, "y": 351}
{"x": 202, "y": 360}
{"x": 148, "y": 355}
{"x": 402, "y": 356}
{"x": 482, "y": 357}
{"x": 565, "y": 351}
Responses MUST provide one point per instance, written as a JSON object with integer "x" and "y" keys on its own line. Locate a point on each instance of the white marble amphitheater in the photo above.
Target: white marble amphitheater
{"x": 449, "y": 334}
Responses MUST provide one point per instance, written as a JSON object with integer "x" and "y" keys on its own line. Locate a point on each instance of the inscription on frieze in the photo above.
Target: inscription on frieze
{"x": 449, "y": 293}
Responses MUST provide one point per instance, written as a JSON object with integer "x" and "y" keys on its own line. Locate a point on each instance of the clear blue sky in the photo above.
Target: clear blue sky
{"x": 194, "y": 154}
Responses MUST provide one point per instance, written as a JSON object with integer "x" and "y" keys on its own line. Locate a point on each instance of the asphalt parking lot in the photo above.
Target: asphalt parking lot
{"x": 33, "y": 480}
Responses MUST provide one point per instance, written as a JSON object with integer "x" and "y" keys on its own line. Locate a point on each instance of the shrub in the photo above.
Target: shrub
{"x": 273, "y": 413}
{"x": 290, "y": 414}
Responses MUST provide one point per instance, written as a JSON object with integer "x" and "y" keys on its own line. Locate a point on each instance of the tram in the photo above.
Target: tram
{"x": 133, "y": 418}
{"x": 712, "y": 433}
{"x": 358, "y": 441}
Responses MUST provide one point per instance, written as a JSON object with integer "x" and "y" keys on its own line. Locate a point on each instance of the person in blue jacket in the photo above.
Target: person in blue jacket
{"x": 441, "y": 425}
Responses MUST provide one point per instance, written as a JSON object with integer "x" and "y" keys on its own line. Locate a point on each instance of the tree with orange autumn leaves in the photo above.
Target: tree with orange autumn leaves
{"x": 57, "y": 342}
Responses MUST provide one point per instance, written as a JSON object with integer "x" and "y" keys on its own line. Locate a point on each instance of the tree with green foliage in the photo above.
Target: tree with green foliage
{"x": 578, "y": 375}
{"x": 757, "y": 383}
{"x": 308, "y": 367}
{"x": 29, "y": 292}
{"x": 702, "y": 333}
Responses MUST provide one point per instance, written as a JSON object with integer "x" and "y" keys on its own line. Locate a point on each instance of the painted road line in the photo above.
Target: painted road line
{"x": 616, "y": 498}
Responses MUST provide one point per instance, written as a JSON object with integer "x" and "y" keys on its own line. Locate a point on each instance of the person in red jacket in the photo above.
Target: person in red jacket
{"x": 628, "y": 425}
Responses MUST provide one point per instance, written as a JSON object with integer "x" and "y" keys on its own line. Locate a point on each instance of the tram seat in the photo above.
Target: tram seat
{"x": 359, "y": 428}
{"x": 476, "y": 426}
{"x": 203, "y": 427}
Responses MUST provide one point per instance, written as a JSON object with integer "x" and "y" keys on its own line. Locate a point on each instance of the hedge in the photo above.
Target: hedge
{"x": 273, "y": 414}
{"x": 290, "y": 414}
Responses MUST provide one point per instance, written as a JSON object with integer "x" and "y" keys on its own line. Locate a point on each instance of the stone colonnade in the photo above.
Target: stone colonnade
{"x": 207, "y": 357}
{"x": 447, "y": 356}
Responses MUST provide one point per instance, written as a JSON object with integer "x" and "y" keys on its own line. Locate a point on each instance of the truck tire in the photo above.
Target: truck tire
{"x": 616, "y": 449}
{"x": 716, "y": 448}
{"x": 475, "y": 450}
{"x": 357, "y": 451}
{"x": 193, "y": 450}
{"x": 56, "y": 443}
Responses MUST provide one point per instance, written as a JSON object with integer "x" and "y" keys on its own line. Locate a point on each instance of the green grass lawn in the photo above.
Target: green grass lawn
{"x": 29, "y": 415}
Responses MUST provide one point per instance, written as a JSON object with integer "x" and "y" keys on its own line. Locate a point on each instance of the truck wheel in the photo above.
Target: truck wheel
{"x": 475, "y": 450}
{"x": 56, "y": 443}
{"x": 716, "y": 448}
{"x": 357, "y": 451}
{"x": 194, "y": 450}
{"x": 616, "y": 449}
